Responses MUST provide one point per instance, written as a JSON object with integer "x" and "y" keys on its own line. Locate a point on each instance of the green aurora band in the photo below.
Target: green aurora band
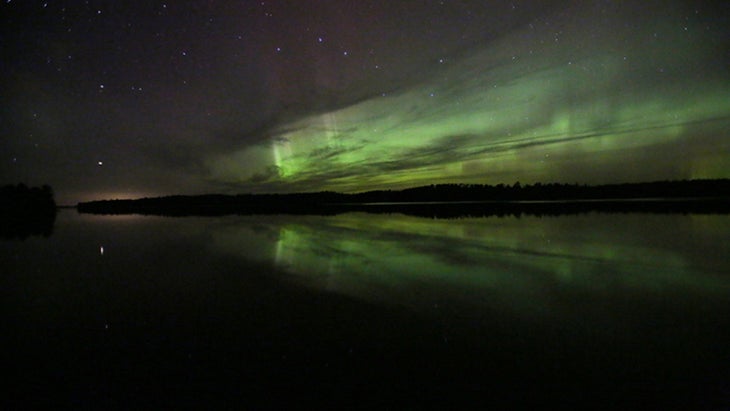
{"x": 627, "y": 100}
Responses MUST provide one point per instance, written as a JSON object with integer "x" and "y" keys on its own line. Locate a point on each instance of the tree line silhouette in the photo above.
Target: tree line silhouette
{"x": 26, "y": 211}
{"x": 701, "y": 196}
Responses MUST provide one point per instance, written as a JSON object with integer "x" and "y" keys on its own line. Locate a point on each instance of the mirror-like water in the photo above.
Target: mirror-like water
{"x": 610, "y": 309}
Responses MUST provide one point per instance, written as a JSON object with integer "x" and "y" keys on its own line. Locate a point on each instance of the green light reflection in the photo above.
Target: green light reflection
{"x": 533, "y": 267}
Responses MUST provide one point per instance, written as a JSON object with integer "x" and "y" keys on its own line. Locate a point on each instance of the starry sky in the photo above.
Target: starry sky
{"x": 112, "y": 99}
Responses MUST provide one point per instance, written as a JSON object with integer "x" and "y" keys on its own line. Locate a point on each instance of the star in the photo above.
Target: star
{"x": 589, "y": 75}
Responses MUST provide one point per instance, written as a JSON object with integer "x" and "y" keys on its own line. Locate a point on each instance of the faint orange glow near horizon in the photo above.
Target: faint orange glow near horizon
{"x": 105, "y": 195}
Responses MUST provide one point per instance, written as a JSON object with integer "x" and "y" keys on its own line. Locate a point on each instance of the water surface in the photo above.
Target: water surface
{"x": 370, "y": 309}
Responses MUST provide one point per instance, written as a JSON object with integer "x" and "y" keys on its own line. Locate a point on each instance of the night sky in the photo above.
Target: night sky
{"x": 119, "y": 99}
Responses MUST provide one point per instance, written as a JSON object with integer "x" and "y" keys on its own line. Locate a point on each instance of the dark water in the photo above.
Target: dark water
{"x": 369, "y": 311}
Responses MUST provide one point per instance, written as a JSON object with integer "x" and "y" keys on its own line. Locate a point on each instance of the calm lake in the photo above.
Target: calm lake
{"x": 368, "y": 310}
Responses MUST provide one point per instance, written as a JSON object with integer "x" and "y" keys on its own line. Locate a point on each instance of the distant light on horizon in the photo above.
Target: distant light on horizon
{"x": 107, "y": 195}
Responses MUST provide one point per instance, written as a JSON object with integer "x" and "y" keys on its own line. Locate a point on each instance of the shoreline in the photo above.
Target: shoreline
{"x": 432, "y": 209}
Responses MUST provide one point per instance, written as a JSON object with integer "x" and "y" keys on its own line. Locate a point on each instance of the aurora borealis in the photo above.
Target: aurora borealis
{"x": 107, "y": 99}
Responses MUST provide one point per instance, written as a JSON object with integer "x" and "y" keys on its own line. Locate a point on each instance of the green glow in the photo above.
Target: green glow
{"x": 521, "y": 263}
{"x": 516, "y": 110}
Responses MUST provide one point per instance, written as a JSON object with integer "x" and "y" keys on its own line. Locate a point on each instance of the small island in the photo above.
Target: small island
{"x": 447, "y": 200}
{"x": 26, "y": 211}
